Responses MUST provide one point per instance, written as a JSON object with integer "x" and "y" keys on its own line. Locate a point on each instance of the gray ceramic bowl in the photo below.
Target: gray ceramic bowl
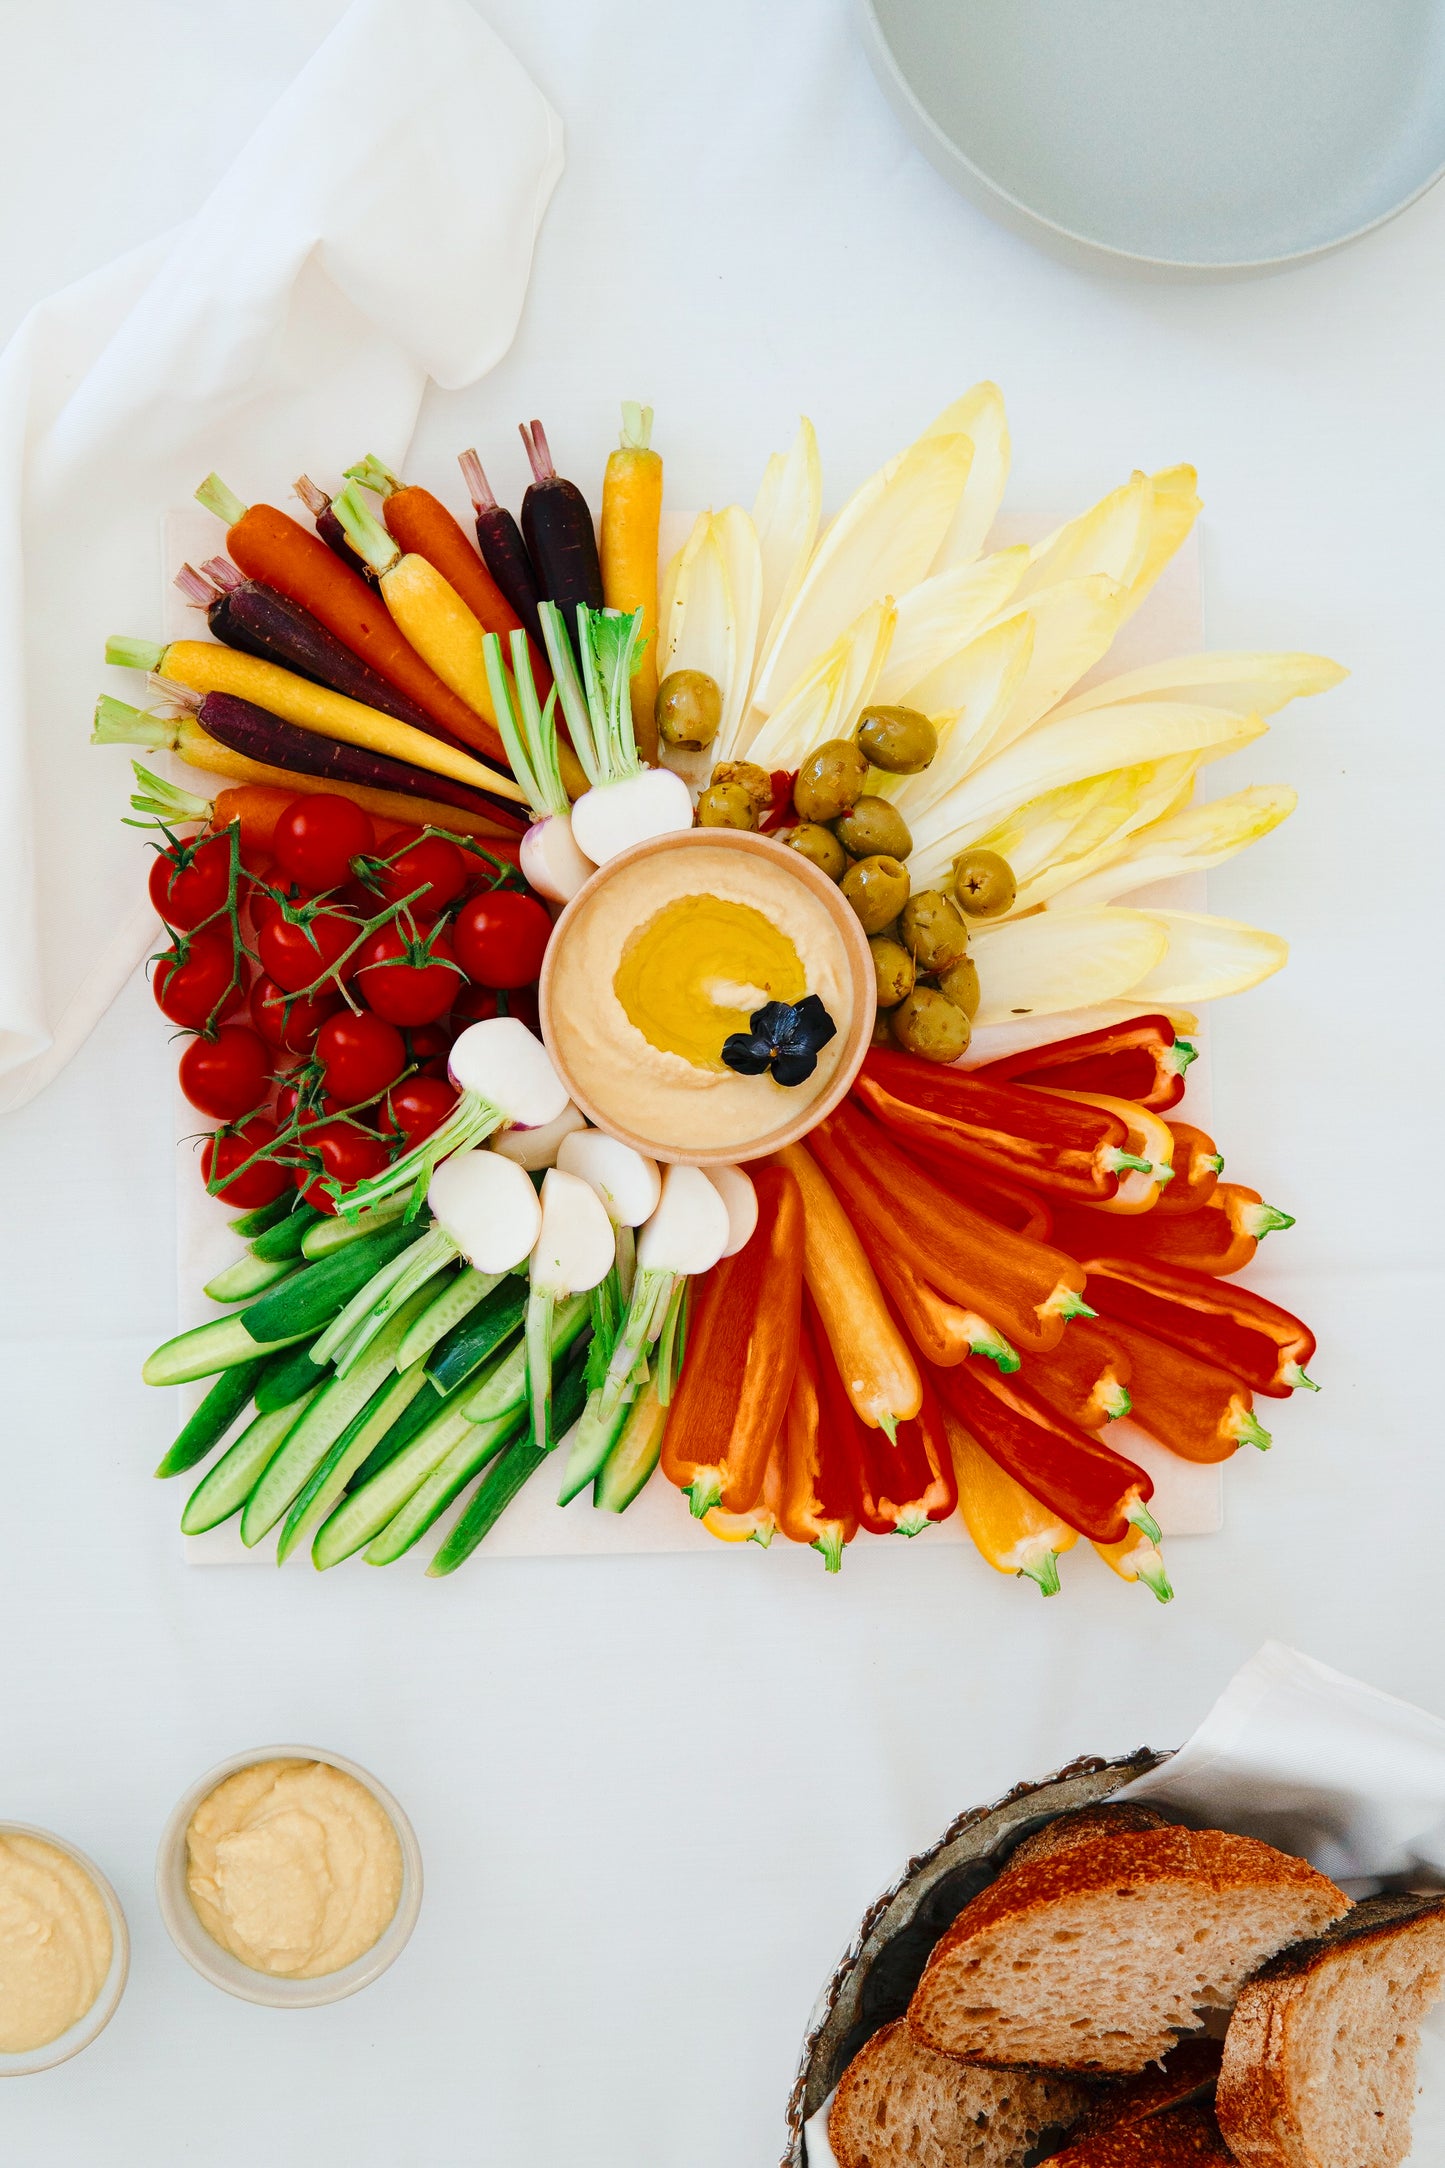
{"x": 1173, "y": 138}
{"x": 103, "y": 2009}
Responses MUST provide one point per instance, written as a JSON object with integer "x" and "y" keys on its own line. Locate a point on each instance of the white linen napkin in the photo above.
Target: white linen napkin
{"x": 376, "y": 230}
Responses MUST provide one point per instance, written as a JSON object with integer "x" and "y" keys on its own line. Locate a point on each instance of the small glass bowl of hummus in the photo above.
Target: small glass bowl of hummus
{"x": 664, "y": 954}
{"x": 64, "y": 1950}
{"x": 289, "y": 1876}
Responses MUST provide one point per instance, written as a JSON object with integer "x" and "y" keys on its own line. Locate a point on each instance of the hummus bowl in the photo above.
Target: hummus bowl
{"x": 667, "y": 950}
{"x": 217, "y": 1964}
{"x": 94, "y": 2019}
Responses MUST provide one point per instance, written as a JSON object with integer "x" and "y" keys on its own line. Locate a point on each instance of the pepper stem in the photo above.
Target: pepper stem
{"x": 912, "y": 1522}
{"x": 1138, "y": 1514}
{"x": 1150, "y": 1570}
{"x": 1249, "y": 1431}
{"x": 830, "y": 1540}
{"x": 704, "y": 1492}
{"x": 888, "y": 1424}
{"x": 984, "y": 1340}
{"x": 1064, "y": 1303}
{"x": 1045, "y": 1570}
{"x": 1119, "y": 1162}
{"x": 1260, "y": 1220}
{"x": 1293, "y": 1376}
{"x": 215, "y": 497}
{"x": 1117, "y": 1402}
{"x": 763, "y": 1533}
{"x": 1180, "y": 1055}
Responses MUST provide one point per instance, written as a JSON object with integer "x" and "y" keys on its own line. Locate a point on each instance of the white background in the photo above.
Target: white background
{"x": 653, "y": 1794}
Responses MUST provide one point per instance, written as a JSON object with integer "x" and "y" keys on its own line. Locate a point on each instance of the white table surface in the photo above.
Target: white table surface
{"x": 654, "y": 1793}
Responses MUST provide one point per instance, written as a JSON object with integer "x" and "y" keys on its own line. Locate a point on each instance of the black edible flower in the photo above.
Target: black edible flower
{"x": 783, "y": 1036}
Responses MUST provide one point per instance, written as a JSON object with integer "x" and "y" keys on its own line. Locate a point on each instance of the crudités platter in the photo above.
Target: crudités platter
{"x": 701, "y": 1026}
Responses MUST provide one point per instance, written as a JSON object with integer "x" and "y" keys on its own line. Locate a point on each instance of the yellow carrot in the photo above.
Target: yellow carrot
{"x": 631, "y": 513}
{"x": 425, "y": 606}
{"x": 1009, "y": 1527}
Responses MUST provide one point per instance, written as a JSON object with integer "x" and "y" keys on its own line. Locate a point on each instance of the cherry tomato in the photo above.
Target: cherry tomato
{"x": 226, "y": 1076}
{"x": 408, "y": 981}
{"x": 189, "y": 882}
{"x": 429, "y": 1042}
{"x": 229, "y": 1150}
{"x": 430, "y": 864}
{"x": 318, "y": 836}
{"x": 359, "y": 1056}
{"x": 295, "y": 953}
{"x": 475, "y": 1004}
{"x": 347, "y": 1157}
{"x": 191, "y": 978}
{"x": 289, "y": 1021}
{"x": 416, "y": 1106}
{"x": 267, "y": 903}
{"x": 501, "y": 938}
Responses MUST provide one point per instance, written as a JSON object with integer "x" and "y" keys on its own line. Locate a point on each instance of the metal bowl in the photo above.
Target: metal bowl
{"x": 874, "y": 1979}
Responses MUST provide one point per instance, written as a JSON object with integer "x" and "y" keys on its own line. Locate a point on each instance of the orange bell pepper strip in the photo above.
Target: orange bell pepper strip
{"x": 819, "y": 1493}
{"x": 1009, "y": 1527}
{"x": 742, "y": 1350}
{"x": 1220, "y": 1238}
{"x": 902, "y": 1483}
{"x": 1138, "y": 1558}
{"x": 941, "y": 1331}
{"x": 879, "y": 1373}
{"x": 1007, "y": 1202}
{"x": 1064, "y": 1149}
{"x": 1026, "y": 1290}
{"x": 1197, "y": 1164}
{"x": 1150, "y": 1150}
{"x": 1231, "y": 1327}
{"x": 760, "y": 1522}
{"x": 1085, "y": 1378}
{"x": 1068, "y": 1470}
{"x": 1141, "y": 1060}
{"x": 1198, "y": 1412}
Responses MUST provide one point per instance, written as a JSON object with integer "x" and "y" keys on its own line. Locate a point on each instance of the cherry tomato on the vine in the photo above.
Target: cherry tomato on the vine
{"x": 189, "y": 882}
{"x": 193, "y": 977}
{"x": 359, "y": 1056}
{"x": 348, "y": 1156}
{"x": 416, "y": 1106}
{"x": 430, "y": 864}
{"x": 501, "y": 937}
{"x": 317, "y": 837}
{"x": 475, "y": 1004}
{"x": 289, "y": 1020}
{"x": 408, "y": 980}
{"x": 226, "y": 1076}
{"x": 296, "y": 952}
{"x": 227, "y": 1153}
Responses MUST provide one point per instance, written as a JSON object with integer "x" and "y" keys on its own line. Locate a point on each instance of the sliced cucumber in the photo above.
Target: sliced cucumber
{"x": 313, "y": 1298}
{"x": 206, "y": 1349}
{"x": 469, "y": 1289}
{"x": 407, "y": 1426}
{"x": 328, "y": 1485}
{"x": 592, "y": 1441}
{"x": 368, "y": 1509}
{"x": 248, "y": 1276}
{"x": 636, "y": 1453}
{"x": 467, "y": 1346}
{"x": 287, "y": 1377}
{"x": 288, "y": 1237}
{"x": 515, "y": 1466}
{"x": 482, "y": 1442}
{"x": 331, "y": 1232}
{"x": 214, "y": 1417}
{"x": 265, "y": 1216}
{"x": 506, "y": 1387}
{"x": 224, "y": 1489}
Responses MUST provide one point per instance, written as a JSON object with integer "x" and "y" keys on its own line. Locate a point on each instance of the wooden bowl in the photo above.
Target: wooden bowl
{"x": 858, "y": 963}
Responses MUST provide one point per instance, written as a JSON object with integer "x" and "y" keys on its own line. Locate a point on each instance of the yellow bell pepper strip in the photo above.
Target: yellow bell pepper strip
{"x": 1068, "y": 1470}
{"x": 631, "y": 515}
{"x": 1219, "y": 1323}
{"x": 1011, "y": 1530}
{"x": 942, "y": 1332}
{"x": 206, "y": 667}
{"x": 901, "y": 1483}
{"x": 1085, "y": 1378}
{"x": 878, "y": 1372}
{"x": 1026, "y": 1290}
{"x": 760, "y": 1523}
{"x": 1141, "y": 1060}
{"x": 998, "y": 1129}
{"x": 1200, "y": 1413}
{"x": 1198, "y": 1163}
{"x": 742, "y": 1351}
{"x": 1150, "y": 1150}
{"x": 1220, "y": 1238}
{"x": 1138, "y": 1558}
{"x": 819, "y": 1503}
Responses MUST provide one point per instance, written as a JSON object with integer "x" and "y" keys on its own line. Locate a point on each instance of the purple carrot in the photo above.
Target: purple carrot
{"x": 560, "y": 537}
{"x": 329, "y": 527}
{"x": 504, "y": 553}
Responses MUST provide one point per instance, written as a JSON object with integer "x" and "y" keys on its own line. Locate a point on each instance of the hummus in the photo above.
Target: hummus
{"x": 293, "y": 1867}
{"x": 55, "y": 1943}
{"x": 663, "y": 963}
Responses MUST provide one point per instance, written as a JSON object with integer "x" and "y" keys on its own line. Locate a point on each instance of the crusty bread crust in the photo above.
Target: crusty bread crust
{"x": 900, "y": 2104}
{"x": 1182, "y": 2138}
{"x": 1110, "y": 1818}
{"x": 1256, "y": 2094}
{"x": 1187, "y": 2074}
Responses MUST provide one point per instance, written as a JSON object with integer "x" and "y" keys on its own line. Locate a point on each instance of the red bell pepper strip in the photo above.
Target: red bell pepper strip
{"x": 1058, "y": 1146}
{"x": 742, "y": 1351}
{"x": 1231, "y": 1327}
{"x": 819, "y": 1501}
{"x": 1220, "y": 1238}
{"x": 900, "y": 1484}
{"x": 1085, "y": 1378}
{"x": 941, "y": 1331}
{"x": 1007, "y": 1202}
{"x": 1200, "y": 1413}
{"x": 1025, "y": 1289}
{"x": 1140, "y": 1060}
{"x": 1073, "y": 1473}
{"x": 1197, "y": 1164}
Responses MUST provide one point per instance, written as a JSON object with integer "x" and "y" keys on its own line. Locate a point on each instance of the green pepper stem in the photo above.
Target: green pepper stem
{"x": 1119, "y": 1162}
{"x": 984, "y": 1340}
{"x": 912, "y": 1522}
{"x": 1260, "y": 1220}
{"x": 1045, "y": 1570}
{"x": 763, "y": 1535}
{"x": 829, "y": 1542}
{"x": 1064, "y": 1303}
{"x": 1138, "y": 1514}
{"x": 1117, "y": 1402}
{"x": 1151, "y": 1572}
{"x": 1180, "y": 1055}
{"x": 1293, "y": 1376}
{"x": 1249, "y": 1431}
{"x": 704, "y": 1492}
{"x": 888, "y": 1424}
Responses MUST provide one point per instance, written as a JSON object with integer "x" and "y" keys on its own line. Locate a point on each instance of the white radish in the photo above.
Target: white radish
{"x": 614, "y": 816}
{"x": 687, "y": 1234}
{"x": 736, "y": 1191}
{"x": 628, "y": 1183}
{"x": 552, "y": 860}
{"x": 540, "y": 1147}
{"x": 487, "y": 1207}
{"x": 574, "y": 1250}
{"x": 549, "y": 855}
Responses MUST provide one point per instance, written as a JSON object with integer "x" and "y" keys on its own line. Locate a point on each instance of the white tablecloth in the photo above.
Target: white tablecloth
{"x": 654, "y": 1794}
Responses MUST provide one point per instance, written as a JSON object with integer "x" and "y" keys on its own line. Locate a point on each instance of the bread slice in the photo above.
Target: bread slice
{"x": 1184, "y": 2138}
{"x": 1319, "y": 2061}
{"x": 900, "y": 2104}
{"x": 1067, "y": 1830}
{"x": 1187, "y": 2074}
{"x": 1095, "y": 1958}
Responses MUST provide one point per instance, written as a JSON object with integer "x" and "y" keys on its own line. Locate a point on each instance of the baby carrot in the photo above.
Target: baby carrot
{"x": 271, "y": 546}
{"x": 631, "y": 514}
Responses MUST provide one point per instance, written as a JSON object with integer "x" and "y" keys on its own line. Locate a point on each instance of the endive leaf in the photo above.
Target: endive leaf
{"x": 1112, "y": 538}
{"x": 942, "y": 614}
{"x": 1188, "y": 842}
{"x": 1068, "y": 752}
{"x": 698, "y": 626}
{"x": 790, "y": 502}
{"x": 881, "y": 544}
{"x": 672, "y": 606}
{"x": 1063, "y": 960}
{"x": 1021, "y": 1034}
{"x": 1207, "y": 958}
{"x": 979, "y": 415}
{"x": 826, "y": 703}
{"x": 1057, "y": 838}
{"x": 1175, "y": 508}
{"x": 984, "y": 683}
{"x": 1252, "y": 684}
{"x": 738, "y": 541}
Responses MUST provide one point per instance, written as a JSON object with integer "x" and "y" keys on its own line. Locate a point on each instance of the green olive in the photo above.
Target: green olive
{"x": 872, "y": 826}
{"x": 933, "y": 931}
{"x": 984, "y": 884}
{"x": 893, "y": 969}
{"x": 929, "y": 1024}
{"x": 830, "y": 781}
{"x": 726, "y": 805}
{"x": 882, "y": 1033}
{"x": 898, "y": 739}
{"x": 688, "y": 710}
{"x": 750, "y": 777}
{"x": 959, "y": 983}
{"x": 877, "y": 888}
{"x": 810, "y": 839}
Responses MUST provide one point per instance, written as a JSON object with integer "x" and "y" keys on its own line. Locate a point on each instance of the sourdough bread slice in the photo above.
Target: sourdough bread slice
{"x": 1067, "y": 1830}
{"x": 1094, "y": 1959}
{"x": 900, "y": 2104}
{"x": 1183, "y": 2138}
{"x": 1187, "y": 2074}
{"x": 1319, "y": 2062}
